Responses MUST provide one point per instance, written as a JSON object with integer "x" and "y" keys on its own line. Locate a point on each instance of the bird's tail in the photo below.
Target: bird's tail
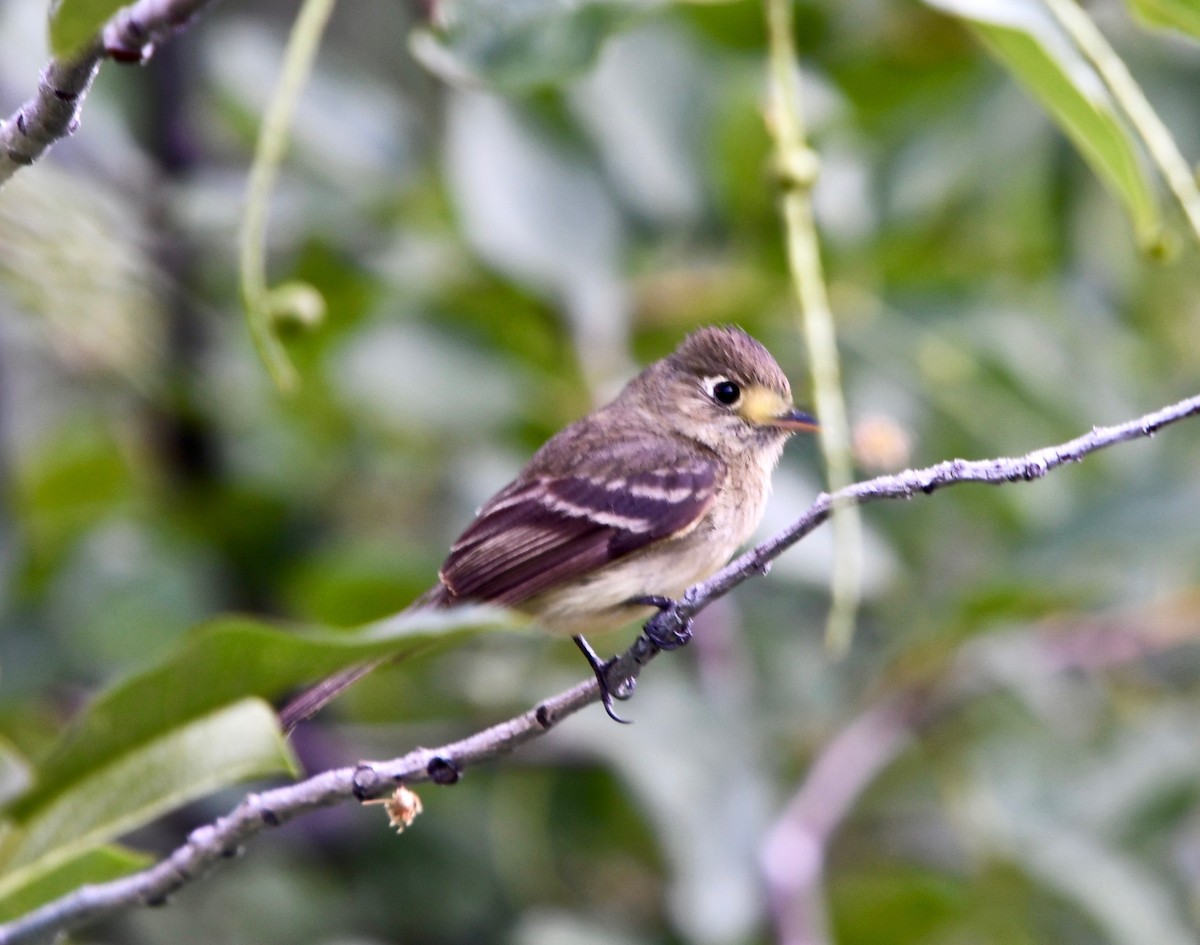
{"x": 312, "y": 700}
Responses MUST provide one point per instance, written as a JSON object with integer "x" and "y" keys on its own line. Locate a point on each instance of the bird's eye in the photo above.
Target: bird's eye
{"x": 726, "y": 392}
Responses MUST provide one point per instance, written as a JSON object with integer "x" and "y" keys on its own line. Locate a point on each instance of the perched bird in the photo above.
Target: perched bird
{"x": 625, "y": 509}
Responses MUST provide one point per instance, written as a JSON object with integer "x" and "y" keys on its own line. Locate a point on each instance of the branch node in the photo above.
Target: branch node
{"x": 125, "y": 39}
{"x": 201, "y": 836}
{"x": 798, "y": 169}
{"x": 365, "y": 782}
{"x": 264, "y": 813}
{"x": 1034, "y": 469}
{"x": 443, "y": 771}
{"x": 128, "y": 55}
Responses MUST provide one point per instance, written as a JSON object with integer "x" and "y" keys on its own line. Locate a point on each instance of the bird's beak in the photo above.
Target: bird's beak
{"x": 794, "y": 419}
{"x": 768, "y": 409}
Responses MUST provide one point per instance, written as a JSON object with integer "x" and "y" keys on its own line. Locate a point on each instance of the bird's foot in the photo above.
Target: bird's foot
{"x": 668, "y": 629}
{"x": 600, "y": 668}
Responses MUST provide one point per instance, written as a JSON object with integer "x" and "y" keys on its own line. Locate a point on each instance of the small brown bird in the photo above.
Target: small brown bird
{"x": 625, "y": 509}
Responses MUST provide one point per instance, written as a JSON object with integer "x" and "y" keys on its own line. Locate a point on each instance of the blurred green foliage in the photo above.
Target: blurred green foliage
{"x": 505, "y": 219}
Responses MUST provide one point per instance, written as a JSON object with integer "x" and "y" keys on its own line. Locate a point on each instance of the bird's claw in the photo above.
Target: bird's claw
{"x": 668, "y": 629}
{"x": 608, "y": 692}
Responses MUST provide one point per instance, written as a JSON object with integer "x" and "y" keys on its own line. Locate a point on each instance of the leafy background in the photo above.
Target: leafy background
{"x": 507, "y": 210}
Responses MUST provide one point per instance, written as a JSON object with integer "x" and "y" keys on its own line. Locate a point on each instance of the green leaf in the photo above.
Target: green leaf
{"x": 95, "y": 866}
{"x": 523, "y": 44}
{"x": 219, "y": 663}
{"x": 1182, "y": 15}
{"x": 191, "y": 724}
{"x": 74, "y": 22}
{"x": 1042, "y": 58}
{"x": 234, "y": 743}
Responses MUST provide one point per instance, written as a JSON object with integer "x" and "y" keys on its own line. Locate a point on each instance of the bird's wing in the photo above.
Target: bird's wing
{"x": 546, "y": 529}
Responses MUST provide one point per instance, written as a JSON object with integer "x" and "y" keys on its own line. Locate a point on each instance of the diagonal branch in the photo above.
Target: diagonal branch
{"x": 52, "y": 113}
{"x": 911, "y": 482}
{"x": 207, "y": 845}
{"x": 794, "y": 852}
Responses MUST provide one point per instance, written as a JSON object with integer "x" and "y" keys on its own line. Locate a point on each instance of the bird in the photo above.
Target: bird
{"x": 621, "y": 511}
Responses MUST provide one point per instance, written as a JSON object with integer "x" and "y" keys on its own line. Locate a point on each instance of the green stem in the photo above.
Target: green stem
{"x": 798, "y": 168}
{"x": 1156, "y": 137}
{"x": 268, "y": 155}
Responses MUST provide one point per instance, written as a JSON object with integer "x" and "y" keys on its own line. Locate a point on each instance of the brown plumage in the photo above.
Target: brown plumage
{"x": 641, "y": 498}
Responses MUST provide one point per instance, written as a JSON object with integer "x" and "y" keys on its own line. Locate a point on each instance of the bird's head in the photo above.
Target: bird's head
{"x": 722, "y": 388}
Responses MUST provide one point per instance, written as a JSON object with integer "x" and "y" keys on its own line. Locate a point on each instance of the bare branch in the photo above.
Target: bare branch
{"x": 207, "y": 845}
{"x": 793, "y": 854}
{"x": 795, "y": 849}
{"x": 53, "y": 111}
{"x": 925, "y": 481}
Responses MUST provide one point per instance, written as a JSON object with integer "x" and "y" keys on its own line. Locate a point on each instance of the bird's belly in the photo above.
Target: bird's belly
{"x": 597, "y": 603}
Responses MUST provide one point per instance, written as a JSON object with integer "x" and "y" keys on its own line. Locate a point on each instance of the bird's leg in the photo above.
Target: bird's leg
{"x": 600, "y": 668}
{"x": 667, "y": 629}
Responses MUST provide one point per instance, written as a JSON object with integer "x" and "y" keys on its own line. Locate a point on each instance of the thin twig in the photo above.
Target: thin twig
{"x": 913, "y": 482}
{"x": 795, "y": 850}
{"x": 207, "y": 845}
{"x": 263, "y": 309}
{"x": 52, "y": 113}
{"x": 793, "y": 854}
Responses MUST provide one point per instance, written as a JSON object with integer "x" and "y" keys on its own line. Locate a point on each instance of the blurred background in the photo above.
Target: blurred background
{"x": 1010, "y": 753}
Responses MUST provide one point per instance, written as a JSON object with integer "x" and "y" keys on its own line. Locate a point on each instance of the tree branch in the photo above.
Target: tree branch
{"x": 925, "y": 481}
{"x": 794, "y": 852}
{"x": 52, "y": 113}
{"x": 207, "y": 845}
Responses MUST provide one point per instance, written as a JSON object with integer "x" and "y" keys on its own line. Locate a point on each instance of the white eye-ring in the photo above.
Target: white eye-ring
{"x": 723, "y": 390}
